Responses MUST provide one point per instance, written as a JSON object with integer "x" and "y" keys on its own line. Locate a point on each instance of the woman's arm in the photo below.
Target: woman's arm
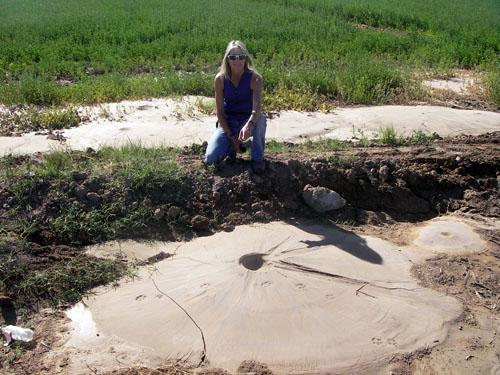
{"x": 256, "y": 86}
{"x": 219, "y": 107}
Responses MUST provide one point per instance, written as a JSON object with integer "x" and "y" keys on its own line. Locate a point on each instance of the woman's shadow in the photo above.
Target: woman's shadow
{"x": 344, "y": 240}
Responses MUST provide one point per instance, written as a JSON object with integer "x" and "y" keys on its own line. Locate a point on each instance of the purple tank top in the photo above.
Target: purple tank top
{"x": 238, "y": 102}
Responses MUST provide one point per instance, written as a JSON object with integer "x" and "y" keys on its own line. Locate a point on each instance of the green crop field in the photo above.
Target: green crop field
{"x": 309, "y": 52}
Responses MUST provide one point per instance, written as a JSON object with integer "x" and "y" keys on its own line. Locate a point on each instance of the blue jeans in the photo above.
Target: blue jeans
{"x": 219, "y": 146}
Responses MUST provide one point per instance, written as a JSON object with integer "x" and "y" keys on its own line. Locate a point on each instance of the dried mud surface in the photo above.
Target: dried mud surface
{"x": 387, "y": 189}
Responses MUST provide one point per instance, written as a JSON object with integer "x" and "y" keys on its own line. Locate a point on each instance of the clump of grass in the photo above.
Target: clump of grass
{"x": 275, "y": 146}
{"x": 282, "y": 98}
{"x": 320, "y": 144}
{"x": 326, "y": 144}
{"x": 342, "y": 161}
{"x": 418, "y": 137}
{"x": 140, "y": 167}
{"x": 389, "y": 136}
{"x": 24, "y": 174}
{"x": 205, "y": 106}
{"x": 492, "y": 85}
{"x": 23, "y": 119}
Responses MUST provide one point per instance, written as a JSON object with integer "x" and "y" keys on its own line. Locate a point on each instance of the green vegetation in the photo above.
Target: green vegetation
{"x": 60, "y": 284}
{"x": 310, "y": 52}
{"x": 321, "y": 144}
{"x": 326, "y": 144}
{"x": 128, "y": 175}
{"x": 31, "y": 118}
{"x": 389, "y": 136}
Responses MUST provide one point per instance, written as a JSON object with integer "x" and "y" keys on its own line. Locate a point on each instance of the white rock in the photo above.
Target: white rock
{"x": 321, "y": 199}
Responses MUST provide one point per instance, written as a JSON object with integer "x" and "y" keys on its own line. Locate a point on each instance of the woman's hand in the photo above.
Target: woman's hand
{"x": 246, "y": 132}
{"x": 236, "y": 143}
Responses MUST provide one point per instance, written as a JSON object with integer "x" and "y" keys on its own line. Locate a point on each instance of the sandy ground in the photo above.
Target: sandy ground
{"x": 178, "y": 123}
{"x": 303, "y": 298}
{"x": 300, "y": 298}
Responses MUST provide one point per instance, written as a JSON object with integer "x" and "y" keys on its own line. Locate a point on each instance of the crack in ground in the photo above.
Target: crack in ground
{"x": 204, "y": 353}
{"x": 300, "y": 268}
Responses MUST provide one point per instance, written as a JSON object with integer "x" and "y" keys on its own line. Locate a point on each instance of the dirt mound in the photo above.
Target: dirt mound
{"x": 385, "y": 188}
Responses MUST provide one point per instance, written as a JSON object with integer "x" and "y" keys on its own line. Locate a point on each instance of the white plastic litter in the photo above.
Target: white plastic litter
{"x": 14, "y": 333}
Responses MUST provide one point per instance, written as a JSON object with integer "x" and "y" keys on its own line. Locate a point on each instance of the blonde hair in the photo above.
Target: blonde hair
{"x": 225, "y": 68}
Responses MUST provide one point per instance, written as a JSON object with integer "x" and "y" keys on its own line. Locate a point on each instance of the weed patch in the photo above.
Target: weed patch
{"x": 30, "y": 280}
{"x": 22, "y": 119}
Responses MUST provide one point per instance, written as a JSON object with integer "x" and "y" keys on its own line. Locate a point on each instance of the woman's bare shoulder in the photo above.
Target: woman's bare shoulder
{"x": 219, "y": 79}
{"x": 256, "y": 76}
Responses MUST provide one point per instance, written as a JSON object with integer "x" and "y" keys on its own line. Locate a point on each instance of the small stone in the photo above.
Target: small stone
{"x": 256, "y": 207}
{"x": 158, "y": 214}
{"x": 228, "y": 227}
{"x": 94, "y": 184}
{"x": 173, "y": 212}
{"x": 260, "y": 215}
{"x": 200, "y": 223}
{"x": 383, "y": 174}
{"x": 79, "y": 175}
{"x": 217, "y": 187}
{"x": 93, "y": 197}
{"x": 81, "y": 191}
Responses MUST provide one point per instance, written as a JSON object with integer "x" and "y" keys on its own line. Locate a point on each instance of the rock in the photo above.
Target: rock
{"x": 94, "y": 184}
{"x": 321, "y": 199}
{"x": 158, "y": 214}
{"x": 81, "y": 191}
{"x": 383, "y": 174}
{"x": 256, "y": 207}
{"x": 200, "y": 223}
{"x": 173, "y": 212}
{"x": 79, "y": 175}
{"x": 374, "y": 218}
{"x": 260, "y": 216}
{"x": 93, "y": 197}
{"x": 228, "y": 227}
{"x": 217, "y": 187}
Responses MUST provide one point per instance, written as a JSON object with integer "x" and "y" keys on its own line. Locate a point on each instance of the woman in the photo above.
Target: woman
{"x": 238, "y": 92}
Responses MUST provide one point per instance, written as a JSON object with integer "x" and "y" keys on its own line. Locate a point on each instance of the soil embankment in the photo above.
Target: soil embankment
{"x": 389, "y": 191}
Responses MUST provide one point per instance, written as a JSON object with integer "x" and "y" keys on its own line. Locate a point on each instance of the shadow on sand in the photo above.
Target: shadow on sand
{"x": 337, "y": 237}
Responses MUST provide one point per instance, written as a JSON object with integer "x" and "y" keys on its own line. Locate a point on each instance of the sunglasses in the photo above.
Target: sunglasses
{"x": 236, "y": 57}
